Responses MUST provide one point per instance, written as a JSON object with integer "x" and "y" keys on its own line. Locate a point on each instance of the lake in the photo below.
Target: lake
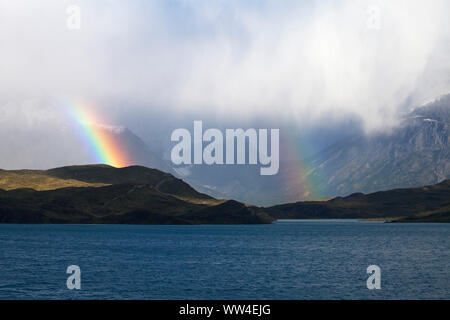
{"x": 303, "y": 259}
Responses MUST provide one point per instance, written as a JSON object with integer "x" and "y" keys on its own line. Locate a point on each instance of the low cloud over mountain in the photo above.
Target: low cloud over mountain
{"x": 296, "y": 60}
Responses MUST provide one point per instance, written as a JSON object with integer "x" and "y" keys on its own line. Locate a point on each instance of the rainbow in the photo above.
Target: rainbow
{"x": 297, "y": 182}
{"x": 106, "y": 149}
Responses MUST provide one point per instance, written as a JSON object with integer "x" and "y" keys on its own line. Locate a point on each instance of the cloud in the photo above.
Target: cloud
{"x": 289, "y": 60}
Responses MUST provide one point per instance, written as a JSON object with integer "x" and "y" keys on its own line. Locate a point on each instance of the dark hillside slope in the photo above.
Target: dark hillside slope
{"x": 397, "y": 203}
{"x": 104, "y": 194}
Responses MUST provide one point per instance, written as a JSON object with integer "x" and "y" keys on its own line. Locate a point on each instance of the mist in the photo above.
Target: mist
{"x": 297, "y": 63}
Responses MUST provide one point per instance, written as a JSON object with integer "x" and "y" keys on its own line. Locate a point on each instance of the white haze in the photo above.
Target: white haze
{"x": 296, "y": 60}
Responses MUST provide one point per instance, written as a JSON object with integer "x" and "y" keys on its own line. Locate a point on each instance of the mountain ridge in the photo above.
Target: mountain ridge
{"x": 414, "y": 154}
{"x": 132, "y": 194}
{"x": 401, "y": 205}
{"x": 141, "y": 195}
{"x": 96, "y": 175}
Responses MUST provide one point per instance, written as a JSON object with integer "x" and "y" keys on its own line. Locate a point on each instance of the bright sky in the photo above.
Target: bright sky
{"x": 291, "y": 60}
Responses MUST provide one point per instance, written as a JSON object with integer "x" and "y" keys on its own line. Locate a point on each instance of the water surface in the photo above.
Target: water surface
{"x": 286, "y": 260}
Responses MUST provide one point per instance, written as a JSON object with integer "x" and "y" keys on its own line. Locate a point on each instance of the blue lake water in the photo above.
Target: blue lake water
{"x": 285, "y": 260}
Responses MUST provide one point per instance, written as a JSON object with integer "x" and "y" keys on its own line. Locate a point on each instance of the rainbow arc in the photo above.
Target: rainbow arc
{"x": 107, "y": 149}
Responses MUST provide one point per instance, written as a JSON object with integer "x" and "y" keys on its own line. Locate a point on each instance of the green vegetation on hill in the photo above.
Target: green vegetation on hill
{"x": 99, "y": 176}
{"x": 139, "y": 195}
{"x": 38, "y": 180}
{"x": 104, "y": 194}
{"x": 438, "y": 215}
{"x": 161, "y": 181}
{"x": 430, "y": 203}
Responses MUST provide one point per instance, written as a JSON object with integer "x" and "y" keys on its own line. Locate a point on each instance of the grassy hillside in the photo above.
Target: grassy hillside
{"x": 164, "y": 182}
{"x": 438, "y": 215}
{"x": 412, "y": 204}
{"x": 139, "y": 195}
{"x": 38, "y": 180}
{"x": 104, "y": 194}
{"x": 99, "y": 176}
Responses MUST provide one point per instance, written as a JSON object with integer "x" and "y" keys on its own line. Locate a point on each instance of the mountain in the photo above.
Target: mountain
{"x": 414, "y": 154}
{"x": 136, "y": 150}
{"x": 43, "y": 144}
{"x": 104, "y": 194}
{"x": 424, "y": 204}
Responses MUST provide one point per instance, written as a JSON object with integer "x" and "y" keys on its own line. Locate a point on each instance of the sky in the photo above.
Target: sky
{"x": 150, "y": 64}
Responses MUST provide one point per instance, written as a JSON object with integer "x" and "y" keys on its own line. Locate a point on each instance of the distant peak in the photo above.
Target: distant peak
{"x": 111, "y": 128}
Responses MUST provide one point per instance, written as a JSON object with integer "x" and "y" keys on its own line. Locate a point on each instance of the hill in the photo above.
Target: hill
{"x": 104, "y": 194}
{"x": 139, "y": 195}
{"x": 98, "y": 176}
{"x": 430, "y": 203}
{"x": 38, "y": 180}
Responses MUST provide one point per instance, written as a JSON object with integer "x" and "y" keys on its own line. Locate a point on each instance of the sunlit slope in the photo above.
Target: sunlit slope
{"x": 38, "y": 180}
{"x": 99, "y": 176}
{"x": 104, "y": 194}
